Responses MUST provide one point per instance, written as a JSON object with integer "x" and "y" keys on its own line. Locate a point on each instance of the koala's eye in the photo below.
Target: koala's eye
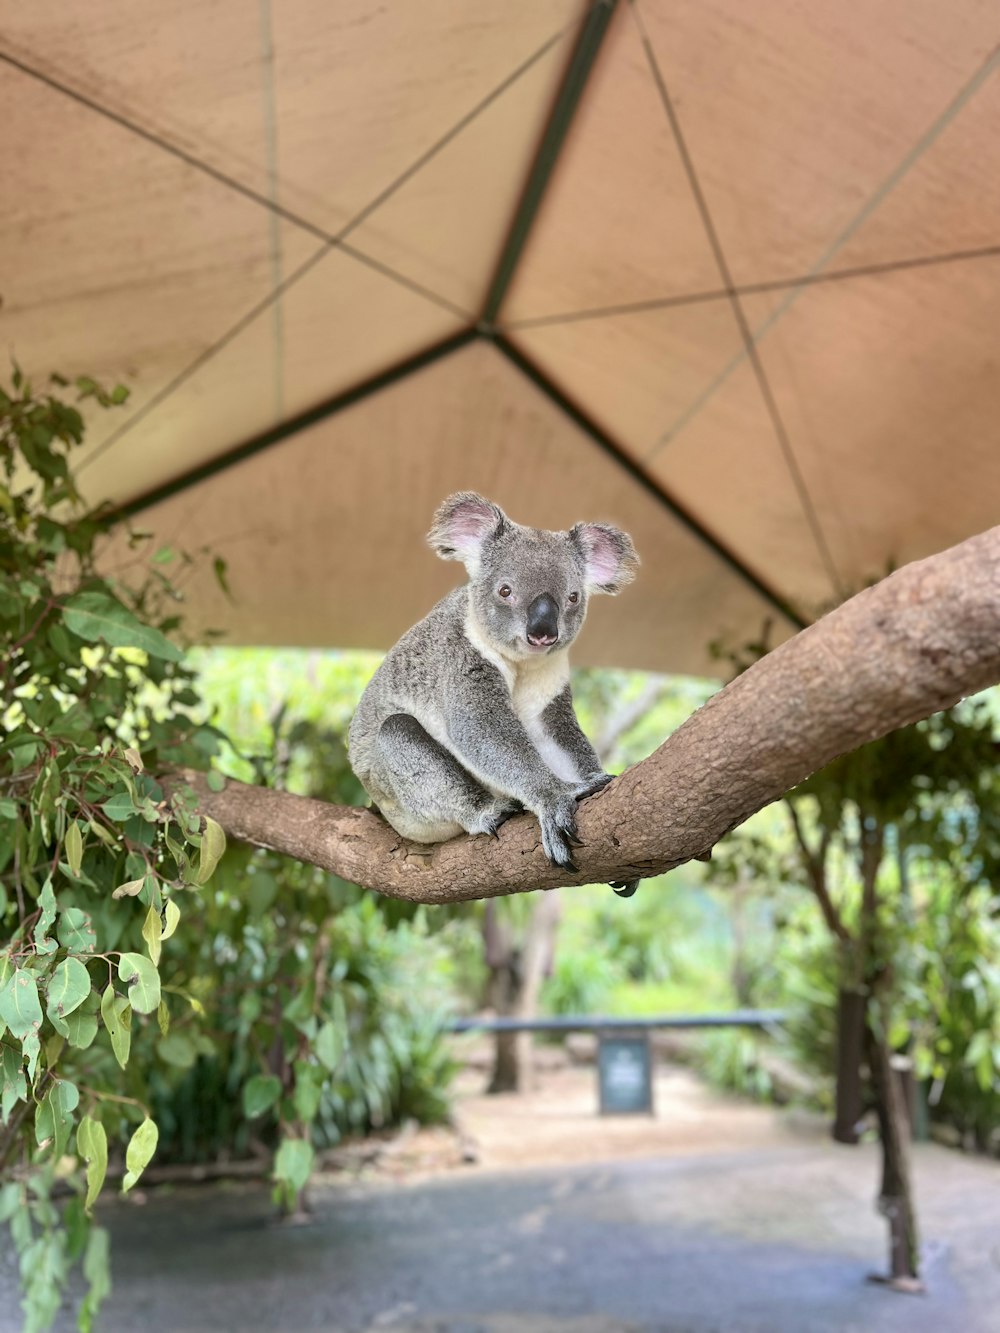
{"x": 504, "y": 590}
{"x": 574, "y": 597}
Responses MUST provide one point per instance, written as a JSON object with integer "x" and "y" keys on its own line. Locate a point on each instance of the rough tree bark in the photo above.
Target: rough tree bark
{"x": 913, "y": 644}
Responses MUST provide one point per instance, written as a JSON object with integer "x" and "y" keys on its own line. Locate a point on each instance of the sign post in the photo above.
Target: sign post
{"x": 625, "y": 1074}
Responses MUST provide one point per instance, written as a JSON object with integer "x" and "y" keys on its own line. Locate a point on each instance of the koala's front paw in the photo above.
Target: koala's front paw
{"x": 558, "y": 824}
{"x": 595, "y": 783}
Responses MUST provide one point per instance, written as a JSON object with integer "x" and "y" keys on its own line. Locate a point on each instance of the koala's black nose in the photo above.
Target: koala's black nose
{"x": 543, "y": 621}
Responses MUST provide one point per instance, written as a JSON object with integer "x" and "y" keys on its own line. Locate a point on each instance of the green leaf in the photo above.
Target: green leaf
{"x": 117, "y": 1015}
{"x": 262, "y": 889}
{"x": 73, "y": 846}
{"x": 80, "y": 1027}
{"x": 152, "y": 933}
{"x": 54, "y": 1117}
{"x": 260, "y": 1093}
{"x": 143, "y": 981}
{"x": 11, "y": 1200}
{"x": 31, "y": 1048}
{"x": 293, "y": 1163}
{"x": 20, "y": 1007}
{"x": 216, "y": 781}
{"x": 172, "y": 914}
{"x": 139, "y": 1152}
{"x": 68, "y": 987}
{"x": 8, "y": 809}
{"x": 75, "y": 931}
{"x": 163, "y": 1017}
{"x": 119, "y": 808}
{"x": 309, "y": 1081}
{"x": 177, "y": 1050}
{"x": 329, "y": 1046}
{"x": 92, "y": 1145}
{"x": 47, "y": 914}
{"x": 131, "y": 889}
{"x": 98, "y": 616}
{"x": 213, "y": 844}
{"x": 15, "y": 1086}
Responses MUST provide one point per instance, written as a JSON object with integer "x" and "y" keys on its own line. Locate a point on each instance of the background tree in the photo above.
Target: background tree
{"x": 867, "y": 832}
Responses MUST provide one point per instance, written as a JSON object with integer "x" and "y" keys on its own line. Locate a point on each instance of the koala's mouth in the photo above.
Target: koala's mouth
{"x": 541, "y": 641}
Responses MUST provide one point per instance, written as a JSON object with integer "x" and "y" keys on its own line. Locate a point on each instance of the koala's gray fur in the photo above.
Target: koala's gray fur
{"x": 470, "y": 718}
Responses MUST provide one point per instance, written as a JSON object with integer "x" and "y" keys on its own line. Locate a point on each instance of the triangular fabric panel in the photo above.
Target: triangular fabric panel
{"x": 342, "y": 560}
{"x": 619, "y": 223}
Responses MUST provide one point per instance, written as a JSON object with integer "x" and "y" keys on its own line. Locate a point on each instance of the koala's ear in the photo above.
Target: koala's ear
{"x": 461, "y": 525}
{"x": 608, "y": 555}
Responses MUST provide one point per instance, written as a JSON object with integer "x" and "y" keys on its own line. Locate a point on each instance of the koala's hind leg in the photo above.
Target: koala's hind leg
{"x": 423, "y": 791}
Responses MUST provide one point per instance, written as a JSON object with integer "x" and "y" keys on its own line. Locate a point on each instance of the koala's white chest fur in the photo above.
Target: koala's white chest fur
{"x": 533, "y": 684}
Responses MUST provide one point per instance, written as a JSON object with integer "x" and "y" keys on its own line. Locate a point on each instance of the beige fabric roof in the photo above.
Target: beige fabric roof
{"x": 727, "y": 274}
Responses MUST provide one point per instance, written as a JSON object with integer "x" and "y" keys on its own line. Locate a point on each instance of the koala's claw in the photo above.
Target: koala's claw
{"x": 558, "y": 827}
{"x": 494, "y": 822}
{"x": 624, "y": 888}
{"x": 592, "y": 785}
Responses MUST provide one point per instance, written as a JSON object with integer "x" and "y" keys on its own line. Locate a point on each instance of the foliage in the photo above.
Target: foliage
{"x": 317, "y": 1031}
{"x": 916, "y": 812}
{"x": 637, "y": 940}
{"x": 158, "y": 992}
{"x": 581, "y": 983}
{"x": 97, "y": 859}
{"x": 730, "y": 1059}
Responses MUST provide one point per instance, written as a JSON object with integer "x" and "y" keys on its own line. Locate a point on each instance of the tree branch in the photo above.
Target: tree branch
{"x": 815, "y": 865}
{"x": 915, "y": 643}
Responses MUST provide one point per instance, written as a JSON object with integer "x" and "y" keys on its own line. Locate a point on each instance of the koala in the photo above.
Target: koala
{"x": 470, "y": 719}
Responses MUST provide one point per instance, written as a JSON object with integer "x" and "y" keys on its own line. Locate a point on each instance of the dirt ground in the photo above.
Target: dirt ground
{"x": 558, "y": 1124}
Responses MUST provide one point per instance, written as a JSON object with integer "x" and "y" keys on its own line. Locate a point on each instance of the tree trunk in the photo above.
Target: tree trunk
{"x": 538, "y": 957}
{"x": 504, "y": 963}
{"x": 851, "y": 1007}
{"x": 895, "y": 1201}
{"x": 516, "y": 976}
{"x": 915, "y": 643}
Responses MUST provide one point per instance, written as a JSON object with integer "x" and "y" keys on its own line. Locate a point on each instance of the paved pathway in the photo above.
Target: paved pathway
{"x": 777, "y": 1240}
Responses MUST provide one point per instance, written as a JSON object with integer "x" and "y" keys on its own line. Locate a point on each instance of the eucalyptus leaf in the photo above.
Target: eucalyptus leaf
{"x": 129, "y": 889}
{"x": 293, "y": 1163}
{"x": 46, "y": 916}
{"x": 69, "y": 986}
{"x": 92, "y": 1145}
{"x": 97, "y": 616}
{"x": 73, "y": 846}
{"x": 20, "y": 1007}
{"x": 213, "y": 844}
{"x": 54, "y": 1118}
{"x": 171, "y": 914}
{"x": 329, "y": 1045}
{"x": 143, "y": 980}
{"x": 75, "y": 931}
{"x": 117, "y": 1015}
{"x": 139, "y": 1152}
{"x": 260, "y": 1093}
{"x": 152, "y": 933}
{"x": 177, "y": 1049}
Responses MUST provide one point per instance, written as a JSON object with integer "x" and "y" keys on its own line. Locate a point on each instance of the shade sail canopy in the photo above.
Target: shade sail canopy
{"x": 727, "y": 275}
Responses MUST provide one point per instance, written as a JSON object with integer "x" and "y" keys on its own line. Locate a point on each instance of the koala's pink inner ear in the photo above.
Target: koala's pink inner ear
{"x": 609, "y": 556}
{"x": 462, "y": 524}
